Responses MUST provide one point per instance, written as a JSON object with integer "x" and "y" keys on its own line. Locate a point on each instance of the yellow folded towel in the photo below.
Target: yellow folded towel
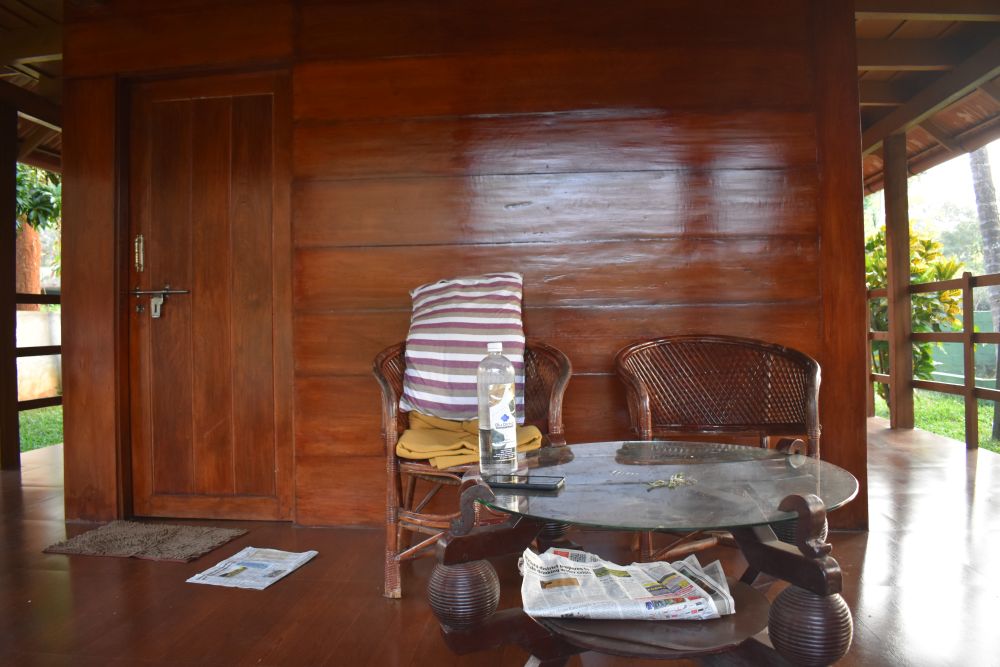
{"x": 448, "y": 443}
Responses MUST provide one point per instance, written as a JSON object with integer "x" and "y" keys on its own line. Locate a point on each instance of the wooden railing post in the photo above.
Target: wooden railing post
{"x": 10, "y": 437}
{"x": 870, "y": 405}
{"x": 897, "y": 243}
{"x": 969, "y": 352}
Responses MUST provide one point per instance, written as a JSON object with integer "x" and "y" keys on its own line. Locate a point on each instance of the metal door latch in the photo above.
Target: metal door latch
{"x": 156, "y": 299}
{"x": 155, "y": 304}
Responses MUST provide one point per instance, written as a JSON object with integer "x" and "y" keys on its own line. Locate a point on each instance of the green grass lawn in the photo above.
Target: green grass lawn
{"x": 41, "y": 428}
{"x": 944, "y": 414}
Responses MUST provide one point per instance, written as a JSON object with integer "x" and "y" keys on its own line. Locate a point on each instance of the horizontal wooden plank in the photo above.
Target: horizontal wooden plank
{"x": 36, "y": 403}
{"x": 942, "y": 387}
{"x": 38, "y": 298}
{"x": 345, "y": 343}
{"x": 555, "y": 208}
{"x": 937, "y": 337}
{"x": 95, "y": 11}
{"x": 595, "y": 410}
{"x": 927, "y": 10}
{"x": 338, "y": 416}
{"x": 251, "y": 508}
{"x": 340, "y": 490}
{"x": 674, "y": 78}
{"x": 259, "y": 32}
{"x": 592, "y": 337}
{"x": 936, "y": 286}
{"x": 986, "y": 394}
{"x": 907, "y": 54}
{"x": 347, "y": 30}
{"x": 674, "y": 271}
{"x": 572, "y": 141}
{"x": 39, "y": 350}
{"x": 986, "y": 280}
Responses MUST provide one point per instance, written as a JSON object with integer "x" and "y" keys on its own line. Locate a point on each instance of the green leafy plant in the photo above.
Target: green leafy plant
{"x": 931, "y": 311}
{"x": 39, "y": 197}
{"x": 39, "y": 206}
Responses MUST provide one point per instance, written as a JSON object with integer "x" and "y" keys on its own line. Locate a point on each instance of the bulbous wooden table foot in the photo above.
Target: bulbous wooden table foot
{"x": 810, "y": 629}
{"x": 463, "y": 595}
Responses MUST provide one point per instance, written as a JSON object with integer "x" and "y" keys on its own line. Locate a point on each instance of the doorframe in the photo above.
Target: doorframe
{"x": 281, "y": 290}
{"x": 123, "y": 454}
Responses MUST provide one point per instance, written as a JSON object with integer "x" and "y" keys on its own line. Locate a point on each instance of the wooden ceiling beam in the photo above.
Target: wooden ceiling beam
{"x": 31, "y": 45}
{"x": 880, "y": 94}
{"x": 992, "y": 88}
{"x": 35, "y": 137}
{"x": 29, "y": 104}
{"x": 928, "y": 10}
{"x": 906, "y": 55}
{"x": 971, "y": 74}
{"x": 949, "y": 143}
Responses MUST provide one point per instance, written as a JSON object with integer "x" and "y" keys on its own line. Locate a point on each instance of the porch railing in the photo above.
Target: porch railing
{"x": 968, "y": 338}
{"x": 38, "y": 350}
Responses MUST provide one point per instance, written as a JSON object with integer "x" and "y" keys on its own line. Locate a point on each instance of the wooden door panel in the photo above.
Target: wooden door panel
{"x": 167, "y": 248}
{"x": 211, "y": 285}
{"x": 205, "y": 438}
{"x": 252, "y": 295}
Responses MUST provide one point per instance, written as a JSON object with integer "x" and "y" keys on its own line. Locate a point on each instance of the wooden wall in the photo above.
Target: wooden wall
{"x": 650, "y": 167}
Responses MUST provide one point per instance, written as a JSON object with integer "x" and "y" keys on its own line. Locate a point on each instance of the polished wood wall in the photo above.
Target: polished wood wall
{"x": 650, "y": 167}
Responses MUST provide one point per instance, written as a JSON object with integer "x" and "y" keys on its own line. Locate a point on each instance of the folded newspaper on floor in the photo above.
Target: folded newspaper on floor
{"x": 253, "y": 568}
{"x": 564, "y": 583}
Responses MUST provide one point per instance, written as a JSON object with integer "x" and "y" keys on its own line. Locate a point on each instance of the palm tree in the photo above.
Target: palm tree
{"x": 989, "y": 228}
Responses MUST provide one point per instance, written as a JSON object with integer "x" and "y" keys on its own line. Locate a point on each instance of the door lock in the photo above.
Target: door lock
{"x": 156, "y": 299}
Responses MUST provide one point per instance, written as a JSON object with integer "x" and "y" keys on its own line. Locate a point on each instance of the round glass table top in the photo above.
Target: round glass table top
{"x": 666, "y": 485}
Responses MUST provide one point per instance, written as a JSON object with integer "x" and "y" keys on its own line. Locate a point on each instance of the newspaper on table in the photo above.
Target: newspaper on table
{"x": 253, "y": 568}
{"x": 565, "y": 583}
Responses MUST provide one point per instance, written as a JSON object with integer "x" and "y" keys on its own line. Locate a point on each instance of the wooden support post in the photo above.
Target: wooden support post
{"x": 968, "y": 327}
{"x": 897, "y": 241}
{"x": 870, "y": 404}
{"x": 10, "y": 437}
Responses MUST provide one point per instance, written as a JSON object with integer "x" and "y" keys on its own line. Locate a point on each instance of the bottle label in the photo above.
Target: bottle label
{"x": 503, "y": 434}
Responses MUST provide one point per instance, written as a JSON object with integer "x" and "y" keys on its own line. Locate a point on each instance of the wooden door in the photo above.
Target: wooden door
{"x": 210, "y": 377}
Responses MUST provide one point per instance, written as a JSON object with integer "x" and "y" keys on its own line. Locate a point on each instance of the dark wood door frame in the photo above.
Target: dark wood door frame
{"x": 10, "y": 441}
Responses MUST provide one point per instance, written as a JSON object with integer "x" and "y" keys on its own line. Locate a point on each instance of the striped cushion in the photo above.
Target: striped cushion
{"x": 452, "y": 322}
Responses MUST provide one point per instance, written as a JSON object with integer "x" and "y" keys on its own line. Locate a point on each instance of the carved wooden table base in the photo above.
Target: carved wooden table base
{"x": 809, "y": 622}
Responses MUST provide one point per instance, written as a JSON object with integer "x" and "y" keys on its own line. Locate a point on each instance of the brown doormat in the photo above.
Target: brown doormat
{"x": 152, "y": 541}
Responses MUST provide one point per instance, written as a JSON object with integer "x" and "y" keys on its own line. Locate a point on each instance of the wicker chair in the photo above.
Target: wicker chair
{"x": 546, "y": 374}
{"x": 722, "y": 386}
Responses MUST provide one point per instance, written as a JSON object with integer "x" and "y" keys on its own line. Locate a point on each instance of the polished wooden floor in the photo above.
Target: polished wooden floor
{"x": 922, "y": 582}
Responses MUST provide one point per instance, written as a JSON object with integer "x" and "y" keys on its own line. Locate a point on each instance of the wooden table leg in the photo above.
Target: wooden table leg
{"x": 809, "y": 622}
{"x": 464, "y": 589}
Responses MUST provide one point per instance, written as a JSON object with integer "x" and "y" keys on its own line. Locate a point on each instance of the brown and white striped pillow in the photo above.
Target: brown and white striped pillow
{"x": 452, "y": 322}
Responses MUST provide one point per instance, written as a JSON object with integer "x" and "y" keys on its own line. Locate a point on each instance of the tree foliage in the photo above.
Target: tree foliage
{"x": 932, "y": 311}
{"x": 39, "y": 197}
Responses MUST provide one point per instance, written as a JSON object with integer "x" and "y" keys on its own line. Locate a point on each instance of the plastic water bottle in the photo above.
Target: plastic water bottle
{"x": 497, "y": 413}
